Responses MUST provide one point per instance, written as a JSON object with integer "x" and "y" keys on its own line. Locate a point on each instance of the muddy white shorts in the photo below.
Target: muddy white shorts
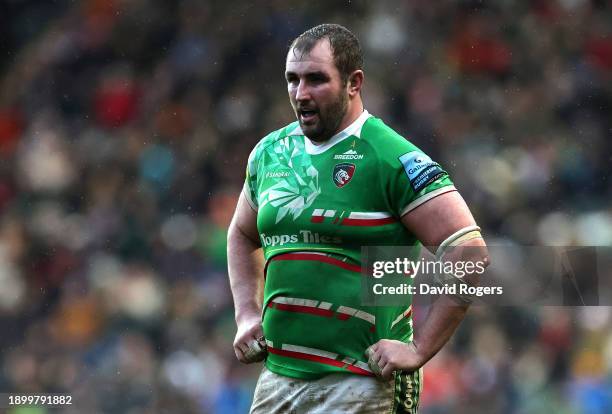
{"x": 337, "y": 393}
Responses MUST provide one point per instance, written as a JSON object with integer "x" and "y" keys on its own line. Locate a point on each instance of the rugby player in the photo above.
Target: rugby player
{"x": 316, "y": 191}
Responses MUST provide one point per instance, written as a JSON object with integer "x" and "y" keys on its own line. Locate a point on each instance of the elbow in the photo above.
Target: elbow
{"x": 481, "y": 256}
{"x": 485, "y": 257}
{"x": 237, "y": 235}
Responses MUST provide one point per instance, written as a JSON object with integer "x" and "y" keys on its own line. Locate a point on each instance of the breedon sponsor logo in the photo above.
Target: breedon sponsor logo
{"x": 349, "y": 155}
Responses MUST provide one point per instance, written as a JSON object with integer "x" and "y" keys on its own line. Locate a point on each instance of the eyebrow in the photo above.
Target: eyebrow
{"x": 314, "y": 74}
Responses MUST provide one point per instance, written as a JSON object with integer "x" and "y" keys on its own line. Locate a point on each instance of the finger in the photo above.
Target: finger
{"x": 261, "y": 340}
{"x": 377, "y": 357}
{"x": 259, "y": 337}
{"x": 375, "y": 368}
{"x": 387, "y": 371}
{"x": 252, "y": 350}
{"x": 255, "y": 346}
{"x": 242, "y": 352}
{"x": 242, "y": 346}
{"x": 373, "y": 363}
{"x": 239, "y": 354}
{"x": 255, "y": 352}
{"x": 371, "y": 350}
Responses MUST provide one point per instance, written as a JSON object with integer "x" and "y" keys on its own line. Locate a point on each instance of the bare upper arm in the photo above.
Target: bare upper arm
{"x": 438, "y": 218}
{"x": 245, "y": 220}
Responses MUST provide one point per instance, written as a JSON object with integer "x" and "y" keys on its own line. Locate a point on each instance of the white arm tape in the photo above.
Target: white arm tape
{"x": 458, "y": 237}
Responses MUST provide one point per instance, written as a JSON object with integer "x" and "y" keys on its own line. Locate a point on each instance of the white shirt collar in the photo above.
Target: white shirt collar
{"x": 353, "y": 129}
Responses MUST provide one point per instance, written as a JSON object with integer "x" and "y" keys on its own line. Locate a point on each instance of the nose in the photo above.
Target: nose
{"x": 302, "y": 92}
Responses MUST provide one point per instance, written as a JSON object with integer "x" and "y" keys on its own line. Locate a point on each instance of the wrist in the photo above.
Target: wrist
{"x": 247, "y": 314}
{"x": 420, "y": 356}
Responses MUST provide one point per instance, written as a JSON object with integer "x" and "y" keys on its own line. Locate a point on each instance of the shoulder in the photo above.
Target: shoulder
{"x": 271, "y": 139}
{"x": 277, "y": 135}
{"x": 384, "y": 141}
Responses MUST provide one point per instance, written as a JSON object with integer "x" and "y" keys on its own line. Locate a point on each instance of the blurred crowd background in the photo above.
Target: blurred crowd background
{"x": 124, "y": 131}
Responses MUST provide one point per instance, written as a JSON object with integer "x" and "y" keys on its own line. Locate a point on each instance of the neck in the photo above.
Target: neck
{"x": 354, "y": 111}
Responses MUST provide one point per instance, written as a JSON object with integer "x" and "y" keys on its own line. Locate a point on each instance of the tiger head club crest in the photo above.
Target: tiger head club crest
{"x": 343, "y": 173}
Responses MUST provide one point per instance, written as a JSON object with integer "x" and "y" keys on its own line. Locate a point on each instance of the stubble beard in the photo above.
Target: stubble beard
{"x": 329, "y": 121}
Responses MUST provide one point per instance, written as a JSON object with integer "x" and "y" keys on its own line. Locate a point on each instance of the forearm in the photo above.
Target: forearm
{"x": 443, "y": 318}
{"x": 245, "y": 268}
{"x": 446, "y": 225}
{"x": 447, "y": 312}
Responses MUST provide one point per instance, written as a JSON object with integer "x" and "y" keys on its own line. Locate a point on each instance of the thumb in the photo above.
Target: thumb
{"x": 259, "y": 337}
{"x": 370, "y": 350}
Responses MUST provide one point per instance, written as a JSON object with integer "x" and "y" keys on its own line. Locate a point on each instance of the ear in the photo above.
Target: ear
{"x": 354, "y": 83}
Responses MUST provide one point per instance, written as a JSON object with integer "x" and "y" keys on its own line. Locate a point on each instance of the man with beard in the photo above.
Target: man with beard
{"x": 316, "y": 191}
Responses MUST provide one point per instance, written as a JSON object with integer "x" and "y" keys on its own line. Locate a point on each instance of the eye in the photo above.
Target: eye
{"x": 318, "y": 78}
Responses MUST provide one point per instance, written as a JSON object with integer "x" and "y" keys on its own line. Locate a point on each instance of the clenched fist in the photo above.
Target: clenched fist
{"x": 250, "y": 344}
{"x": 387, "y": 356}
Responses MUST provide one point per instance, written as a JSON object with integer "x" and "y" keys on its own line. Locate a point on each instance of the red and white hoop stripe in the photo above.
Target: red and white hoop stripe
{"x": 321, "y": 356}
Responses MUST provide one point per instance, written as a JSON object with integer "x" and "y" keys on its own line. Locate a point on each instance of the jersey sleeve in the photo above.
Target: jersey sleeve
{"x": 250, "y": 183}
{"x": 411, "y": 177}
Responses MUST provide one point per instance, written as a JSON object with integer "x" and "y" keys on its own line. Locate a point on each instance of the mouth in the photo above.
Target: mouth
{"x": 307, "y": 116}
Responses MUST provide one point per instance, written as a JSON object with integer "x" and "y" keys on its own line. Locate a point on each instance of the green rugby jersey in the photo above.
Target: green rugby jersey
{"x": 317, "y": 205}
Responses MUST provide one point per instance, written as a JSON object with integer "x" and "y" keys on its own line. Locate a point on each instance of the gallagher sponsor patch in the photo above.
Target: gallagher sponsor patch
{"x": 420, "y": 169}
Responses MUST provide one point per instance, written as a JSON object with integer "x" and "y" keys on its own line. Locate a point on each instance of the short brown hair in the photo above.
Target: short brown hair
{"x": 344, "y": 45}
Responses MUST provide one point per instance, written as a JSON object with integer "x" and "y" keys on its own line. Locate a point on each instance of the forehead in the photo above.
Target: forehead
{"x": 320, "y": 58}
